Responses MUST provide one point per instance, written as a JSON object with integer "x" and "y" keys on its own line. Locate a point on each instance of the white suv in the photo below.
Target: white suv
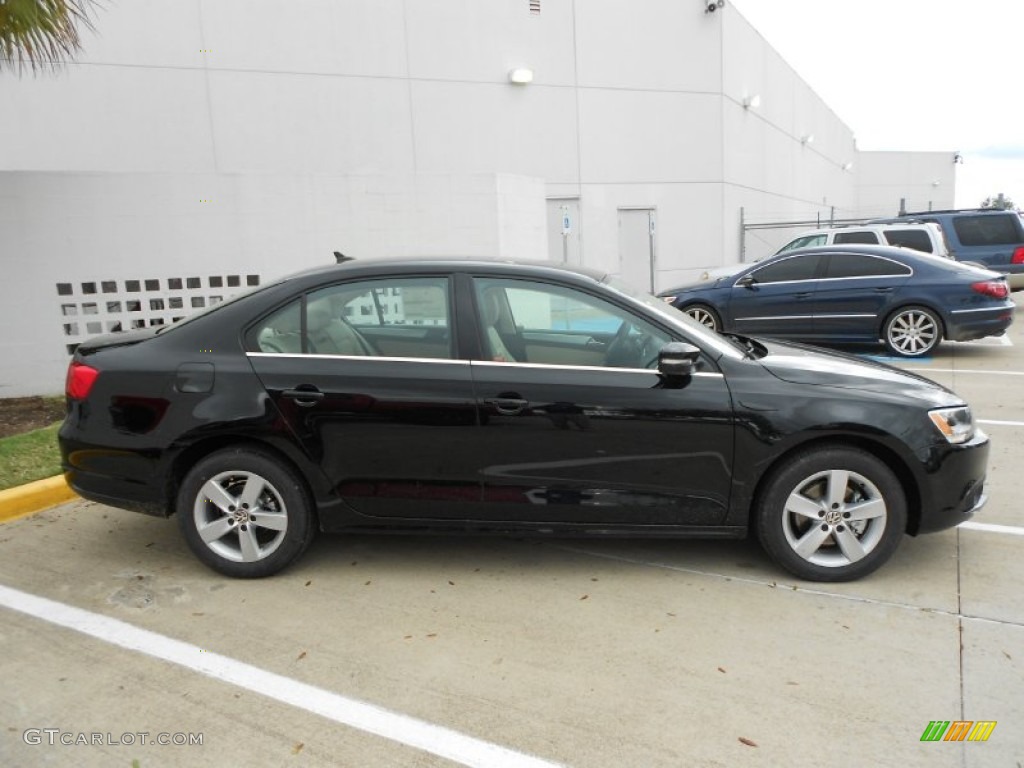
{"x": 920, "y": 236}
{"x": 925, "y": 237}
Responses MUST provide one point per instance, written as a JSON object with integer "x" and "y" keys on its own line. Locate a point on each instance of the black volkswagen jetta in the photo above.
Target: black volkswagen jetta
{"x": 476, "y": 396}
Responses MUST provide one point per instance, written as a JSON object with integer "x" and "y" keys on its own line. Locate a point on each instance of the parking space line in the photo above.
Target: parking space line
{"x": 435, "y": 739}
{"x": 1012, "y": 530}
{"x": 967, "y": 370}
{"x": 995, "y": 423}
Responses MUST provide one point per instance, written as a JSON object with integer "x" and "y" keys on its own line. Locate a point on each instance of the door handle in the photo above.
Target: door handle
{"x": 802, "y": 295}
{"x": 507, "y": 406}
{"x": 304, "y": 397}
{"x": 883, "y": 290}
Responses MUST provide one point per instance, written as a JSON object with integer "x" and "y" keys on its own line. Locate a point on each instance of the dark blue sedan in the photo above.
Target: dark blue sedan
{"x": 854, "y": 294}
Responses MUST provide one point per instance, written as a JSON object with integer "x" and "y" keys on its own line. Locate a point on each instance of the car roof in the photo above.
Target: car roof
{"x": 896, "y": 253}
{"x": 393, "y": 264}
{"x": 872, "y": 225}
{"x": 890, "y": 251}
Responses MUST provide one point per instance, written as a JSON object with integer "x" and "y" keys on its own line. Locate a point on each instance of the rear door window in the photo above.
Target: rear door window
{"x": 910, "y": 238}
{"x": 863, "y": 237}
{"x": 862, "y": 265}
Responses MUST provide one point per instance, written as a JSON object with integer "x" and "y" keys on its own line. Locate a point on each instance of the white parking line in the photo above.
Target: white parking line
{"x": 403, "y": 729}
{"x": 1013, "y": 530}
{"x": 995, "y": 423}
{"x": 965, "y": 370}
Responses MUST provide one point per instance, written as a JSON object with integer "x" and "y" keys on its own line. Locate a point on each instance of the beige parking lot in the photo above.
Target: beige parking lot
{"x": 584, "y": 653}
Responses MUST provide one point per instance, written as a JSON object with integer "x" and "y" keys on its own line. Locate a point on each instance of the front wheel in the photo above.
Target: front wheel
{"x": 912, "y": 332}
{"x": 244, "y": 513}
{"x": 704, "y": 315}
{"x": 832, "y": 514}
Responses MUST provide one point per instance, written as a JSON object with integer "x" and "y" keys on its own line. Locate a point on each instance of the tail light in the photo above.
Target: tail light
{"x": 80, "y": 379}
{"x": 1018, "y": 256}
{"x": 995, "y": 288}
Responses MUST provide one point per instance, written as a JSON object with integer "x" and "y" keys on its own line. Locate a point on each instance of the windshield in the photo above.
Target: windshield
{"x": 721, "y": 344}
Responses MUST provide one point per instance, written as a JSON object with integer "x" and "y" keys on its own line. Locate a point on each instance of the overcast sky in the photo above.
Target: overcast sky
{"x": 926, "y": 75}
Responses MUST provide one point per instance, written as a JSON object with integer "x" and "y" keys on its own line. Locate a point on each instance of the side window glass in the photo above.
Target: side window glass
{"x": 788, "y": 269}
{"x": 391, "y": 317}
{"x": 861, "y": 265}
{"x": 863, "y": 237}
{"x": 401, "y": 317}
{"x": 807, "y": 241}
{"x": 280, "y": 333}
{"x": 528, "y": 322}
{"x": 910, "y": 238}
{"x": 987, "y": 229}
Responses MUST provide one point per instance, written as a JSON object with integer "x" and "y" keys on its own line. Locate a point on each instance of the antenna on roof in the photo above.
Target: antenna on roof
{"x": 341, "y": 258}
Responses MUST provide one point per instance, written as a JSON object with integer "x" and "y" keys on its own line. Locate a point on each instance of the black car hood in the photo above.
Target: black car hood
{"x": 803, "y": 364}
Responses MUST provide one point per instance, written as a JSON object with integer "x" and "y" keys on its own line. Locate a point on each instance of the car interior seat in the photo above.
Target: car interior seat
{"x": 282, "y": 336}
{"x": 329, "y": 335}
{"x": 491, "y": 311}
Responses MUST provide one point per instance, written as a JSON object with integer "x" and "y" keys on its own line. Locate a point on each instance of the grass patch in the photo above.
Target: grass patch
{"x": 30, "y": 456}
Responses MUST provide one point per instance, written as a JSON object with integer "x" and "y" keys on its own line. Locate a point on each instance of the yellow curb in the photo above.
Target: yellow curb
{"x": 34, "y": 497}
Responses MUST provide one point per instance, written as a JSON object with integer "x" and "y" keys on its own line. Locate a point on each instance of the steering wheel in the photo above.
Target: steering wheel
{"x": 623, "y": 350}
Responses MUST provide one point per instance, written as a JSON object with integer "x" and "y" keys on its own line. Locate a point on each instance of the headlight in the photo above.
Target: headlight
{"x": 668, "y": 299}
{"x": 955, "y": 423}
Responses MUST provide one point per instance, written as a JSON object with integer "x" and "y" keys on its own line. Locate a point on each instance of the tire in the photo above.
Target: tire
{"x": 820, "y": 538}
{"x": 912, "y": 332}
{"x": 224, "y": 533}
{"x": 704, "y": 315}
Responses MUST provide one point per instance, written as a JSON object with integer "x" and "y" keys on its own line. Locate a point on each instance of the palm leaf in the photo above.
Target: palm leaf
{"x": 40, "y": 34}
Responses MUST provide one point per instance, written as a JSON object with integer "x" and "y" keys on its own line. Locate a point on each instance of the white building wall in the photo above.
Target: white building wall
{"x": 922, "y": 180}
{"x": 388, "y": 126}
{"x": 79, "y": 231}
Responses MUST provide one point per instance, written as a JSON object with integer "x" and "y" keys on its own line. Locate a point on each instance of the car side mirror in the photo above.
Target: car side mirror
{"x": 747, "y": 282}
{"x": 678, "y": 358}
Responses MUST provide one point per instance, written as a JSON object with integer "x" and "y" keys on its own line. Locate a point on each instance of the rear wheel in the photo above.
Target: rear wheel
{"x": 704, "y": 315}
{"x": 912, "y": 332}
{"x": 245, "y": 514}
{"x": 831, "y": 514}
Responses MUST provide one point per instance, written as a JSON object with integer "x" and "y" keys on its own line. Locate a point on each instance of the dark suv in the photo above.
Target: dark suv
{"x": 990, "y": 237}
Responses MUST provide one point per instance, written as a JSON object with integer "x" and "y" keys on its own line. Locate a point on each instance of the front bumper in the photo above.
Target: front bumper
{"x": 954, "y": 485}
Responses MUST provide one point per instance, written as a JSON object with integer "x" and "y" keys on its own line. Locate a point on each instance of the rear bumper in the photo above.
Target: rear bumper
{"x": 115, "y": 477}
{"x": 970, "y": 324}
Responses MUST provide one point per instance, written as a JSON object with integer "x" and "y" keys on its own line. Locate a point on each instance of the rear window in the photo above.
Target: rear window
{"x": 988, "y": 229}
{"x": 910, "y": 238}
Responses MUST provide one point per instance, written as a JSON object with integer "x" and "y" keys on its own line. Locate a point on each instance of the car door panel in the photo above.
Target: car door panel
{"x": 776, "y": 299}
{"x": 394, "y": 437}
{"x": 566, "y": 445}
{"x": 855, "y": 295}
{"x": 774, "y": 309}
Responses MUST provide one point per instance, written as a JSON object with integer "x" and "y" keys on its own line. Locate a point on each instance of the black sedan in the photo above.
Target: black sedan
{"x": 473, "y": 396}
{"x": 909, "y": 300}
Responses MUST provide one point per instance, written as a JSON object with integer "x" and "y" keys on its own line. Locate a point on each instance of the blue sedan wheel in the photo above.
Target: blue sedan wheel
{"x": 912, "y": 332}
{"x": 704, "y": 315}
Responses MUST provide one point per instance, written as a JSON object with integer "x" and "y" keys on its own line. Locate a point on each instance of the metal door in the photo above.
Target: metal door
{"x": 636, "y": 247}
